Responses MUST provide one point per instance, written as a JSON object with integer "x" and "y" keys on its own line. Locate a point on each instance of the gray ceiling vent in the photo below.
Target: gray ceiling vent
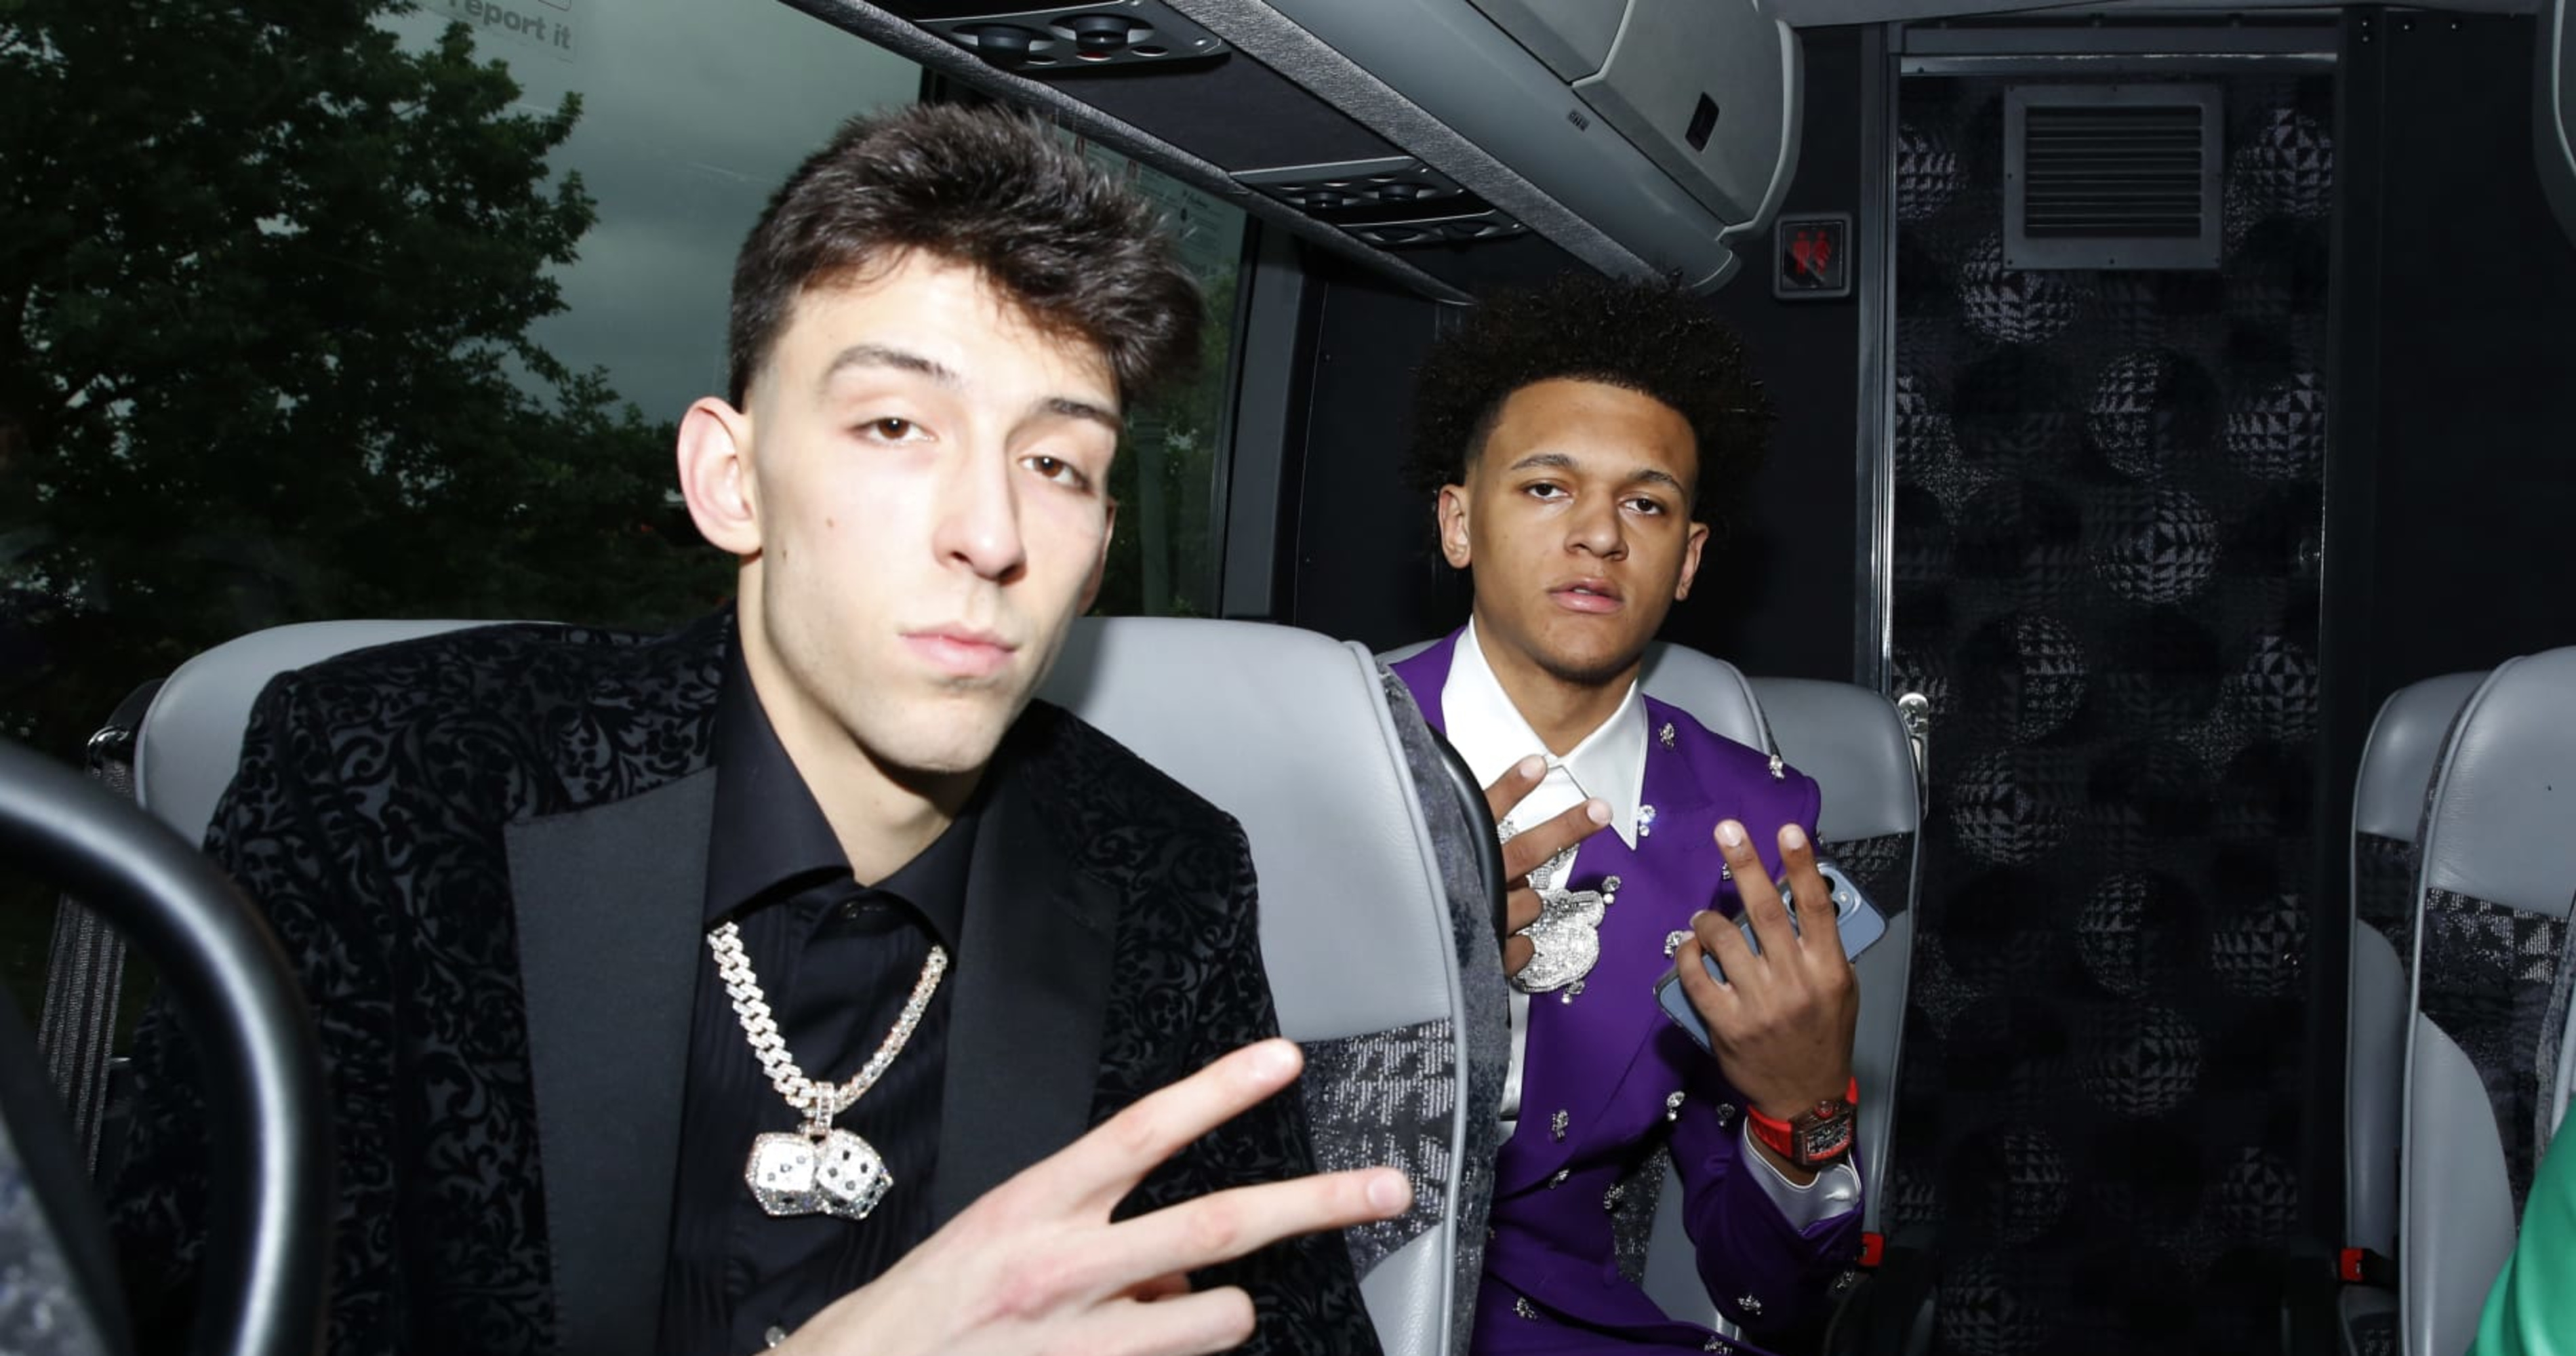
{"x": 2111, "y": 176}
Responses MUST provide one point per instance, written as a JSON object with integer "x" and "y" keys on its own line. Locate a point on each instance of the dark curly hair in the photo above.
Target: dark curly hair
{"x": 1650, "y": 338}
{"x": 1078, "y": 252}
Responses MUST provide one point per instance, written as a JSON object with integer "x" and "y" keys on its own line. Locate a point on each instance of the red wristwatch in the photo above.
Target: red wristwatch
{"x": 1820, "y": 1136}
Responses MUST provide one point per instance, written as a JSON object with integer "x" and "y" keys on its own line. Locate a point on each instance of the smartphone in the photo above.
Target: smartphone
{"x": 1859, "y": 921}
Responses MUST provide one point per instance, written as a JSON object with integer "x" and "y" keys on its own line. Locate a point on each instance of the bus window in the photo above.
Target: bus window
{"x": 416, "y": 342}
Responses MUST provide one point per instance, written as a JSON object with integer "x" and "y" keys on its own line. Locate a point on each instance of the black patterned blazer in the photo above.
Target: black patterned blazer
{"x": 485, "y": 852}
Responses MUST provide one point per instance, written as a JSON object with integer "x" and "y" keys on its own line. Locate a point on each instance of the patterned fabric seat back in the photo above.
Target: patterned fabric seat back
{"x": 2497, "y": 870}
{"x": 2387, "y": 811}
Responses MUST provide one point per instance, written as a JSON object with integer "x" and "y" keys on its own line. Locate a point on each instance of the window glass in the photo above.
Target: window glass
{"x": 373, "y": 310}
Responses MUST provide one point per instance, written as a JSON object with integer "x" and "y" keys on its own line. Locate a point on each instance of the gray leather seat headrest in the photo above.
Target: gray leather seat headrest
{"x": 2505, "y": 795}
{"x": 192, "y": 735}
{"x": 1853, "y": 743}
{"x": 2397, "y": 759}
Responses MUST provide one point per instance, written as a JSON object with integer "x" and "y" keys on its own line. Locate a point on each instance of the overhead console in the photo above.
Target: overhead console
{"x": 1451, "y": 142}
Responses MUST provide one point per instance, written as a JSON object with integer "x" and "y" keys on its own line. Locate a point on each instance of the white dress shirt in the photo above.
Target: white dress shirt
{"x": 1608, "y": 764}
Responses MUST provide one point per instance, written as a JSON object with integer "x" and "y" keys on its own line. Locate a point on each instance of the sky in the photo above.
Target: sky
{"x": 692, "y": 112}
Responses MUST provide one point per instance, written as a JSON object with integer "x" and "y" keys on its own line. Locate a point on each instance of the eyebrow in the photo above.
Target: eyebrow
{"x": 1558, "y": 461}
{"x": 901, "y": 360}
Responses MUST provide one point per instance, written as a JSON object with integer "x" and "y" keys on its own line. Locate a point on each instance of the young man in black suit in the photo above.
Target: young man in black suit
{"x": 745, "y": 987}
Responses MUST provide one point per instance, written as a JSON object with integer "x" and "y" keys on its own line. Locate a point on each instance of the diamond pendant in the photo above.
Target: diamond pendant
{"x": 816, "y": 1171}
{"x": 1565, "y": 940}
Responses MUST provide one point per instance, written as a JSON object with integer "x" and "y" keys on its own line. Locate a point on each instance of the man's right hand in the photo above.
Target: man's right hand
{"x": 1036, "y": 1266}
{"x": 1530, "y": 848}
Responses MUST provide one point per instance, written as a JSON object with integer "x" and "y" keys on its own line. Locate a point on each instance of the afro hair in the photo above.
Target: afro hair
{"x": 1650, "y": 338}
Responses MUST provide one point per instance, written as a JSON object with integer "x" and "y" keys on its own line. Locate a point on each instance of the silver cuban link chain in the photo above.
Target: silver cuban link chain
{"x": 816, "y": 1169}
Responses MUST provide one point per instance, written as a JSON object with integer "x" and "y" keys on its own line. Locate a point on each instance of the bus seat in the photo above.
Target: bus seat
{"x": 2388, "y": 798}
{"x": 191, "y": 736}
{"x": 2497, "y": 870}
{"x": 1335, "y": 780}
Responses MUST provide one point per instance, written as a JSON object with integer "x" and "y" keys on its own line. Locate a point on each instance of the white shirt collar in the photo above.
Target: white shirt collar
{"x": 1492, "y": 734}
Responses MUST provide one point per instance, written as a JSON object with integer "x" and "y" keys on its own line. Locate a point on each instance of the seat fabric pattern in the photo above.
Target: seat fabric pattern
{"x": 2489, "y": 974}
{"x": 41, "y": 1308}
{"x": 2374, "y": 1334}
{"x": 2383, "y": 889}
{"x": 1632, "y": 1206}
{"x": 1386, "y": 1098}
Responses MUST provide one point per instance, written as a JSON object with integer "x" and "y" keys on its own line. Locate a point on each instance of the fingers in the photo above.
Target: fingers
{"x": 1518, "y": 952}
{"x": 1098, "y": 1170}
{"x": 1224, "y": 1225}
{"x": 1183, "y": 1325}
{"x": 1706, "y": 995}
{"x": 1812, "y": 895}
{"x": 1762, "y": 904}
{"x": 1523, "y": 852}
{"x": 1517, "y": 781}
{"x": 1161, "y": 1287}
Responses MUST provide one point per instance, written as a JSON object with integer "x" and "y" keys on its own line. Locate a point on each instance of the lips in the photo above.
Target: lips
{"x": 959, "y": 651}
{"x": 1589, "y": 595}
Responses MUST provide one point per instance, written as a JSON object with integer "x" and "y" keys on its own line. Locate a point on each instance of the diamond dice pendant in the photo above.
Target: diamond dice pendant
{"x": 816, "y": 1171}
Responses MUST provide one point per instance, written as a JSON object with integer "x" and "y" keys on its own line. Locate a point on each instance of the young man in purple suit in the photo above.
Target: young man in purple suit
{"x": 1569, "y": 437}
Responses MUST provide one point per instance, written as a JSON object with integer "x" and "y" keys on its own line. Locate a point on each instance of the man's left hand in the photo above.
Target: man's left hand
{"x": 1782, "y": 1022}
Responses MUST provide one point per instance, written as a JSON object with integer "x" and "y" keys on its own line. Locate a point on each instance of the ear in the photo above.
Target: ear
{"x": 1691, "y": 547}
{"x": 1100, "y": 562}
{"x": 1452, "y": 507}
{"x": 715, "y": 476}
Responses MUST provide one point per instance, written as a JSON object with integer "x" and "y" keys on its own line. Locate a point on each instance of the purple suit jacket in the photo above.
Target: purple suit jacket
{"x": 1610, "y": 1062}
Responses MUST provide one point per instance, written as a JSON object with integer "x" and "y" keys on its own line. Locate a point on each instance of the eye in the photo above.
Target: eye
{"x": 1644, "y": 505}
{"x": 1058, "y": 470}
{"x": 892, "y": 429}
{"x": 1544, "y": 490}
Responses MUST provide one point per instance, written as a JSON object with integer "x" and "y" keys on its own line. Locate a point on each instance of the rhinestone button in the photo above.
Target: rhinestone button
{"x": 1673, "y": 1107}
{"x": 1556, "y": 1125}
{"x": 774, "y": 1336}
{"x": 1673, "y": 942}
{"x": 1751, "y": 1306}
{"x": 1559, "y": 1179}
{"x": 1726, "y": 1113}
{"x": 1522, "y": 1306}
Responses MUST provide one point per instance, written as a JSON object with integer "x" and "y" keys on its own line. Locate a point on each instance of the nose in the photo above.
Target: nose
{"x": 979, "y": 517}
{"x": 1594, "y": 527}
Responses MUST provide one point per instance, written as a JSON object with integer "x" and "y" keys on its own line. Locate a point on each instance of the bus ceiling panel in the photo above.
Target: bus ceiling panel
{"x": 1828, "y": 13}
{"x": 1681, "y": 143}
{"x": 897, "y": 33}
{"x": 1236, "y": 113}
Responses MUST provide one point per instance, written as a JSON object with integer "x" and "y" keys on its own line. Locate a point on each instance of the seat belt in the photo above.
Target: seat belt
{"x": 85, "y": 970}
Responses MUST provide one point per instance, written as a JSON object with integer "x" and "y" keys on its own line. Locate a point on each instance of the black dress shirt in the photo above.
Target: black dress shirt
{"x": 837, "y": 961}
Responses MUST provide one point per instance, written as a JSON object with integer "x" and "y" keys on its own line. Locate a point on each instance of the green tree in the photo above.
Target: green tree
{"x": 268, "y": 279}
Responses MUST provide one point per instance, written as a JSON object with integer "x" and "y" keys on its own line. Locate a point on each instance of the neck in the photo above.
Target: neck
{"x": 1561, "y": 712}
{"x": 882, "y": 816}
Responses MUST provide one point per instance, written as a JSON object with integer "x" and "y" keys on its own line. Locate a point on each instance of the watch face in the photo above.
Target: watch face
{"x": 1823, "y": 1140}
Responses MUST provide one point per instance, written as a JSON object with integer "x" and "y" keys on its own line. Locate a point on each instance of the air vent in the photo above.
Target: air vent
{"x": 2111, "y": 176}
